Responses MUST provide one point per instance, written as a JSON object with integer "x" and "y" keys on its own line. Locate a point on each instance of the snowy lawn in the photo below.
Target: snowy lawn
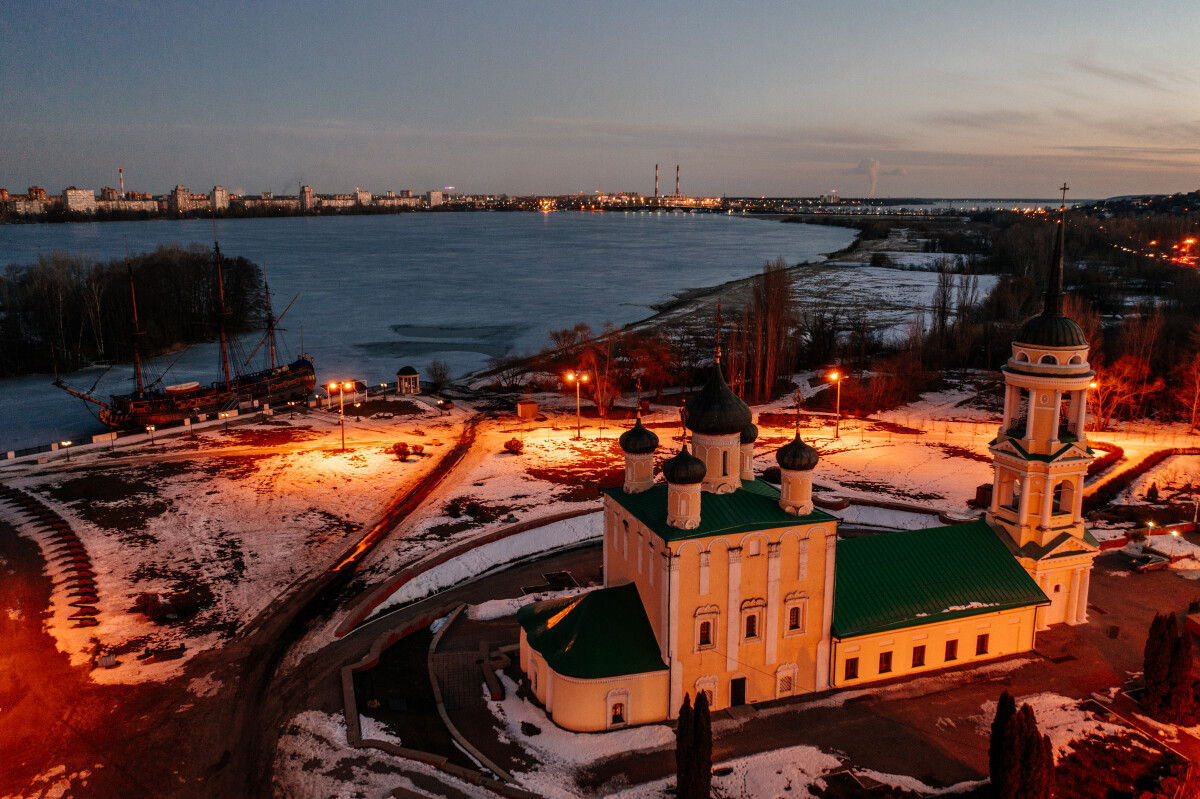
{"x": 191, "y": 542}
{"x": 314, "y": 759}
{"x": 1059, "y": 717}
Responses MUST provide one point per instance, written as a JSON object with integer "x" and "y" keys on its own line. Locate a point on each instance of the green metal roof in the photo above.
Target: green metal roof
{"x": 603, "y": 633}
{"x": 754, "y": 506}
{"x": 1025, "y": 454}
{"x": 915, "y": 577}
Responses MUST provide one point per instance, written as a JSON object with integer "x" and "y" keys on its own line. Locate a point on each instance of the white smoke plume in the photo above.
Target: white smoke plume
{"x": 872, "y": 169}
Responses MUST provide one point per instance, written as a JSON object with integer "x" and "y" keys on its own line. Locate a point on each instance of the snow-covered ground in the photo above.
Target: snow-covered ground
{"x": 1060, "y": 717}
{"x": 222, "y": 524}
{"x": 314, "y": 759}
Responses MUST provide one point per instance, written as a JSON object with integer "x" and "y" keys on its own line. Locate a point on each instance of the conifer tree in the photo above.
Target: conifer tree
{"x": 1156, "y": 662}
{"x": 702, "y": 749}
{"x": 1178, "y": 702}
{"x": 1006, "y": 708}
{"x": 684, "y": 749}
{"x": 1037, "y": 759}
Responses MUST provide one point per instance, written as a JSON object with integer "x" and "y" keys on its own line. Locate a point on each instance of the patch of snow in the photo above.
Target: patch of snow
{"x": 499, "y": 608}
{"x": 314, "y": 759}
{"x": 1060, "y": 717}
{"x": 483, "y": 558}
{"x": 559, "y": 752}
{"x": 208, "y": 685}
{"x": 915, "y": 785}
{"x": 374, "y": 729}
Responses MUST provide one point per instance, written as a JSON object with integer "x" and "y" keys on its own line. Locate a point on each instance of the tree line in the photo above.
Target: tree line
{"x": 70, "y": 310}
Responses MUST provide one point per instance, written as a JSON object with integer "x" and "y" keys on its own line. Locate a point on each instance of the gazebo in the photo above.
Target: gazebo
{"x": 408, "y": 381}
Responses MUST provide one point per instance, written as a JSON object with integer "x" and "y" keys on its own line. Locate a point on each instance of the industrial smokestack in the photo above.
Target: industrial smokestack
{"x": 121, "y": 178}
{"x": 677, "y": 180}
{"x": 656, "y": 181}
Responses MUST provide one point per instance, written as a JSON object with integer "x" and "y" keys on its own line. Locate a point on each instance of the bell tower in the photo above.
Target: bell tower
{"x": 1040, "y": 455}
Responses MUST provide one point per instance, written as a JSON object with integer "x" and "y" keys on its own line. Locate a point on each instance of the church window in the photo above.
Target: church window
{"x": 706, "y": 627}
{"x": 952, "y": 650}
{"x": 918, "y": 656}
{"x": 795, "y": 609}
{"x": 618, "y": 713}
{"x": 1076, "y": 359}
{"x": 724, "y": 463}
{"x": 851, "y": 668}
{"x": 751, "y": 626}
{"x": 1058, "y": 588}
{"x": 885, "y": 662}
{"x": 1050, "y": 359}
{"x": 981, "y": 644}
{"x": 785, "y": 684}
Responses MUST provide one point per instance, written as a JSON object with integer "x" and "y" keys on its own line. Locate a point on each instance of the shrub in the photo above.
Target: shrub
{"x": 417, "y": 449}
{"x": 514, "y": 445}
{"x": 401, "y": 449}
{"x": 1152, "y": 493}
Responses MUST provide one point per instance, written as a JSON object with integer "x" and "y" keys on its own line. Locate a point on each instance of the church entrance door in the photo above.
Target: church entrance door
{"x": 737, "y": 691}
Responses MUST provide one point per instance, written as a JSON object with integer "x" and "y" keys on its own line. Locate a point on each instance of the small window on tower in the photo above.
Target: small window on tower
{"x": 706, "y": 633}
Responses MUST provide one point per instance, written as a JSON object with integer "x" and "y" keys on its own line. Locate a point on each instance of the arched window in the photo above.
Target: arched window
{"x": 1076, "y": 359}
{"x": 794, "y": 618}
{"x": 618, "y": 713}
{"x": 752, "y": 625}
{"x": 1049, "y": 359}
{"x": 1022, "y": 357}
{"x": 706, "y": 633}
{"x": 724, "y": 463}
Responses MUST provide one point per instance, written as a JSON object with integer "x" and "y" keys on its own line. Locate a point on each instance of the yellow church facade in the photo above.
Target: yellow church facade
{"x": 719, "y": 582}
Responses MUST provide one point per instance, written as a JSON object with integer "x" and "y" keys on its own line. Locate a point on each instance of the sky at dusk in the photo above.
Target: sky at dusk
{"x": 956, "y": 99}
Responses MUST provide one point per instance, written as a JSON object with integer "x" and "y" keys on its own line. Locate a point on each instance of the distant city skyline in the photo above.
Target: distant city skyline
{"x": 930, "y": 99}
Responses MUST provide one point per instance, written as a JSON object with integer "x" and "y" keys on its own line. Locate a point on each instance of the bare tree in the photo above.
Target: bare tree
{"x": 438, "y": 375}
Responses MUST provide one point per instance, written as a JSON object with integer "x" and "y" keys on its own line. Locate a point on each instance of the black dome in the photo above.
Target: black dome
{"x": 716, "y": 410}
{"x": 637, "y": 440}
{"x": 1051, "y": 331}
{"x": 684, "y": 469}
{"x": 797, "y": 456}
{"x": 749, "y": 434}
{"x": 407, "y": 371}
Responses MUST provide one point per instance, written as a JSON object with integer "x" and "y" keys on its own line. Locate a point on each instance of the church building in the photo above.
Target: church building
{"x": 717, "y": 581}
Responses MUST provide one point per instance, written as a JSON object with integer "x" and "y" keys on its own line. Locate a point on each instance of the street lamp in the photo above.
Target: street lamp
{"x": 341, "y": 389}
{"x": 1174, "y": 536}
{"x": 150, "y": 430}
{"x": 577, "y": 378}
{"x": 837, "y": 377}
{"x": 67, "y": 446}
{"x": 1092, "y": 387}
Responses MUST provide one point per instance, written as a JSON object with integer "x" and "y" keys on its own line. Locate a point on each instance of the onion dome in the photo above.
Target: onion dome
{"x": 637, "y": 440}
{"x": 797, "y": 456}
{"x": 749, "y": 434}
{"x": 684, "y": 469}
{"x": 716, "y": 410}
{"x": 1052, "y": 328}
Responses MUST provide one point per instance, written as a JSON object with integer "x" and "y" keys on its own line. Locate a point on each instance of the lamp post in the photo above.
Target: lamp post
{"x": 150, "y": 430}
{"x": 341, "y": 389}
{"x": 577, "y": 378}
{"x": 1091, "y": 387}
{"x": 1174, "y": 536}
{"x": 837, "y": 377}
{"x": 67, "y": 446}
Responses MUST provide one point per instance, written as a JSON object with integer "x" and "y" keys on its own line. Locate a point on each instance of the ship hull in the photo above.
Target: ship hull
{"x": 290, "y": 382}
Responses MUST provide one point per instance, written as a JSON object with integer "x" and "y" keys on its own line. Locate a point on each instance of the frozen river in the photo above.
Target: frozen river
{"x": 380, "y": 292}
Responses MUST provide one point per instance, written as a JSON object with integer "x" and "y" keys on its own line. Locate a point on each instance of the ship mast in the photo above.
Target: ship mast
{"x": 137, "y": 330}
{"x": 222, "y": 313}
{"x": 270, "y": 323}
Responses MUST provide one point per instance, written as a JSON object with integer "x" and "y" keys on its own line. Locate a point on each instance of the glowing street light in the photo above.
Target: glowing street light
{"x": 1092, "y": 386}
{"x": 837, "y": 378}
{"x": 67, "y": 446}
{"x": 577, "y": 378}
{"x": 341, "y": 389}
{"x": 1174, "y": 536}
{"x": 150, "y": 429}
